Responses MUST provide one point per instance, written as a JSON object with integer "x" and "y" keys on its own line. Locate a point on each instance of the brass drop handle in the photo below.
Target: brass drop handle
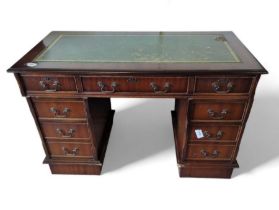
{"x": 102, "y": 86}
{"x": 218, "y": 135}
{"x": 63, "y": 134}
{"x": 155, "y": 87}
{"x": 56, "y": 112}
{"x": 69, "y": 152}
{"x": 206, "y": 154}
{"x": 217, "y": 115}
{"x": 49, "y": 85}
{"x": 222, "y": 83}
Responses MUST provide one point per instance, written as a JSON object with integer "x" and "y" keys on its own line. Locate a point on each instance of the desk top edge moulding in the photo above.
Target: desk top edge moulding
{"x": 69, "y": 78}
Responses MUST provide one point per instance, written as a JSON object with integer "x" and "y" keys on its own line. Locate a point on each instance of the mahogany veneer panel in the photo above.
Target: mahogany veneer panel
{"x": 214, "y": 132}
{"x": 136, "y": 84}
{"x": 206, "y": 110}
{"x": 69, "y": 131}
{"x": 223, "y": 85}
{"x": 49, "y": 83}
{"x": 209, "y": 152}
{"x": 70, "y": 150}
{"x": 60, "y": 109}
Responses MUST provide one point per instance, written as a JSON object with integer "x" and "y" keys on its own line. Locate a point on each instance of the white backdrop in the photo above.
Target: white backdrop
{"x": 140, "y": 168}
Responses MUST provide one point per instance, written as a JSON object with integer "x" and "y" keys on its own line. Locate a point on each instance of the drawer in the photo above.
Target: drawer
{"x": 49, "y": 83}
{"x": 213, "y": 133}
{"x": 217, "y": 110}
{"x": 54, "y": 109}
{"x": 210, "y": 152}
{"x": 67, "y": 131}
{"x": 156, "y": 85}
{"x": 70, "y": 150}
{"x": 223, "y": 85}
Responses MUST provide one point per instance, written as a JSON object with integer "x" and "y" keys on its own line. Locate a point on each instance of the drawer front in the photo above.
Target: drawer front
{"x": 215, "y": 110}
{"x": 67, "y": 131}
{"x": 210, "y": 152}
{"x": 59, "y": 109}
{"x": 223, "y": 85}
{"x": 70, "y": 150}
{"x": 49, "y": 83}
{"x": 162, "y": 85}
{"x": 214, "y": 133}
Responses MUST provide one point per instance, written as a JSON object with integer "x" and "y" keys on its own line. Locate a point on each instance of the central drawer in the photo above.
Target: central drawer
{"x": 155, "y": 85}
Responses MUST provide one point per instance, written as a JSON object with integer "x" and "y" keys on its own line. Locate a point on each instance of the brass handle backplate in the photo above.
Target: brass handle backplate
{"x": 217, "y": 115}
{"x": 69, "y": 152}
{"x": 102, "y": 87}
{"x": 67, "y": 134}
{"x": 49, "y": 84}
{"x": 222, "y": 84}
{"x": 218, "y": 135}
{"x": 206, "y": 154}
{"x": 155, "y": 87}
{"x": 59, "y": 114}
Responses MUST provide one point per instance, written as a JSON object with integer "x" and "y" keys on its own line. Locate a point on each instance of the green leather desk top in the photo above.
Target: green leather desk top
{"x": 139, "y": 48}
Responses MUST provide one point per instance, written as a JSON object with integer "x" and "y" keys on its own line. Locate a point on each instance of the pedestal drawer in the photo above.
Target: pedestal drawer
{"x": 156, "y": 85}
{"x": 49, "y": 83}
{"x": 216, "y": 110}
{"x": 213, "y": 133}
{"x": 59, "y": 109}
{"x": 65, "y": 131}
{"x": 223, "y": 85}
{"x": 210, "y": 152}
{"x": 70, "y": 150}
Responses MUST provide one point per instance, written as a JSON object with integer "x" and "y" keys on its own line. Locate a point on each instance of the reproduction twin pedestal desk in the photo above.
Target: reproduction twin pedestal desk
{"x": 69, "y": 77}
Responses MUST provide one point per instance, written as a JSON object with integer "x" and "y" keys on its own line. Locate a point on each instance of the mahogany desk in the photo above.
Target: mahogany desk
{"x": 69, "y": 77}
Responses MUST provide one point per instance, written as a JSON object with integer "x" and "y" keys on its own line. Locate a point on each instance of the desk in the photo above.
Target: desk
{"x": 68, "y": 79}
